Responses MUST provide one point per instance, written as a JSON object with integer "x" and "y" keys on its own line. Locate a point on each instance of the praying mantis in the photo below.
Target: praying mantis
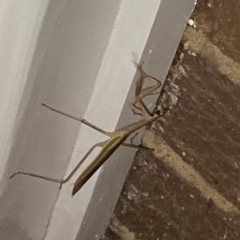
{"x": 116, "y": 138}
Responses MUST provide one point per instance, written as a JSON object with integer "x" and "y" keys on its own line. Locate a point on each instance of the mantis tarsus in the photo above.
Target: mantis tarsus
{"x": 116, "y": 138}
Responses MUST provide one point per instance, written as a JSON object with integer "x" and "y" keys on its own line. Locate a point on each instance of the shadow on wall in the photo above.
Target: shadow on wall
{"x": 10, "y": 230}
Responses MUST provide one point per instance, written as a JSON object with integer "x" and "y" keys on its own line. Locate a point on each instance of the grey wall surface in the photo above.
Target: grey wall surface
{"x": 63, "y": 72}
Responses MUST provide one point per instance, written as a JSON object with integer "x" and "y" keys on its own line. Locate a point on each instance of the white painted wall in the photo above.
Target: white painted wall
{"x": 77, "y": 57}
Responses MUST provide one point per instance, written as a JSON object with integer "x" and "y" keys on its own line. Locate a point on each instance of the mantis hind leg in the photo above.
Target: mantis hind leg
{"x": 62, "y": 181}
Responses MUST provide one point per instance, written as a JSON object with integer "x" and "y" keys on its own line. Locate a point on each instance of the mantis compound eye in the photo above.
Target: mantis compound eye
{"x": 158, "y": 112}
